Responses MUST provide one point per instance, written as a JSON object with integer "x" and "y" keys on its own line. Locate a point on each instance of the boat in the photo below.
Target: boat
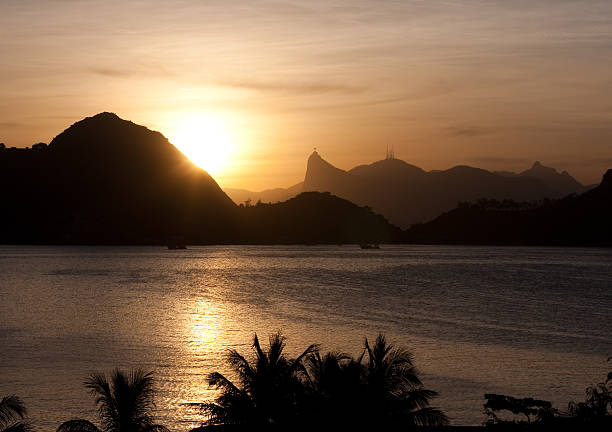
{"x": 176, "y": 246}
{"x": 176, "y": 243}
{"x": 369, "y": 246}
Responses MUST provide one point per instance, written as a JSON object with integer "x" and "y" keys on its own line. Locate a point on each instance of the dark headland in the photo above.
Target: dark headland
{"x": 105, "y": 180}
{"x": 576, "y": 220}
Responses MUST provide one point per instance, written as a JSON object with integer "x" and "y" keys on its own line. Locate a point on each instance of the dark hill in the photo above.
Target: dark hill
{"x": 314, "y": 217}
{"x": 105, "y": 180}
{"x": 392, "y": 169}
{"x": 582, "y": 220}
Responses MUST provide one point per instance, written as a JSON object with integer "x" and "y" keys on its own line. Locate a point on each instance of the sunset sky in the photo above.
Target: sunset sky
{"x": 495, "y": 84}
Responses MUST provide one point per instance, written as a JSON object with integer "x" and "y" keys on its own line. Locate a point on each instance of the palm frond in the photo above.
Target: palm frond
{"x": 22, "y": 426}
{"x": 155, "y": 428}
{"x": 275, "y": 348}
{"x": 100, "y": 388}
{"x": 360, "y": 358}
{"x": 221, "y": 382}
{"x": 77, "y": 425}
{"x": 399, "y": 356}
{"x": 381, "y": 347}
{"x": 125, "y": 401}
{"x": 218, "y": 415}
{"x": 229, "y": 408}
{"x": 140, "y": 394}
{"x": 11, "y": 407}
{"x": 314, "y": 348}
{"x": 427, "y": 417}
{"x": 240, "y": 365}
{"x": 370, "y": 354}
{"x": 260, "y": 354}
{"x": 416, "y": 399}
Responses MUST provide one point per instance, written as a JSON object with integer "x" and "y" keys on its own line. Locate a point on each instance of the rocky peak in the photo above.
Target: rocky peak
{"x": 606, "y": 181}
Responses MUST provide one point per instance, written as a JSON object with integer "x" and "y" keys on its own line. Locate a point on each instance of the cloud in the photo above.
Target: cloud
{"x": 294, "y": 87}
{"x": 111, "y": 72}
{"x": 142, "y": 71}
{"x": 368, "y": 102}
{"x": 468, "y": 131}
{"x": 9, "y": 125}
{"x": 435, "y": 89}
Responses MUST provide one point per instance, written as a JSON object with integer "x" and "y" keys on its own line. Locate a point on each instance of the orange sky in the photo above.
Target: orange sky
{"x": 495, "y": 84}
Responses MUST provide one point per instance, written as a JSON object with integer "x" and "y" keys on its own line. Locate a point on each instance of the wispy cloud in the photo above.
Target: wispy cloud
{"x": 9, "y": 125}
{"x": 313, "y": 87}
{"x": 142, "y": 71}
{"x": 359, "y": 103}
{"x": 468, "y": 131}
{"x": 436, "y": 88}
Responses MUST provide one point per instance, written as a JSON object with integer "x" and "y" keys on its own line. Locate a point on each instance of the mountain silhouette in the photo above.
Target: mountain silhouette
{"x": 406, "y": 194}
{"x": 314, "y": 217}
{"x": 105, "y": 180}
{"x": 240, "y": 196}
{"x": 560, "y": 182}
{"x": 576, "y": 220}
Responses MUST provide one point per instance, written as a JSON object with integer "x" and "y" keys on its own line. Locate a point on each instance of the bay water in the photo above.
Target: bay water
{"x": 519, "y": 321}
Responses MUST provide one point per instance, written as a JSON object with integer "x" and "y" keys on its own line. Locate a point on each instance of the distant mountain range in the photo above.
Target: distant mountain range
{"x": 576, "y": 220}
{"x": 105, "y": 180}
{"x": 406, "y": 194}
{"x": 561, "y": 183}
{"x": 241, "y": 196}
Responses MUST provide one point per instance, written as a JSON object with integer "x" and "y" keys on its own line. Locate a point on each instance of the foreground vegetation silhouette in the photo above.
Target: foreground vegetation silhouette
{"x": 12, "y": 414}
{"x": 378, "y": 390}
{"x": 534, "y": 410}
{"x": 597, "y": 406}
{"x": 381, "y": 387}
{"x": 594, "y": 413}
{"x": 125, "y": 404}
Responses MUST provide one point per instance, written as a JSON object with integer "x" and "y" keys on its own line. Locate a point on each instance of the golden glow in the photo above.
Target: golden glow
{"x": 206, "y": 140}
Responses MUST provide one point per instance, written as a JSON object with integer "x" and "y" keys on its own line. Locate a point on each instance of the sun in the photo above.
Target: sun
{"x": 207, "y": 141}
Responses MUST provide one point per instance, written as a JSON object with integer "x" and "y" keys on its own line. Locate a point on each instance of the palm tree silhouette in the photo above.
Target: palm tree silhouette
{"x": 12, "y": 412}
{"x": 267, "y": 388}
{"x": 324, "y": 375}
{"x": 380, "y": 388}
{"x": 124, "y": 403}
{"x": 598, "y": 403}
{"x": 393, "y": 389}
{"x": 333, "y": 387}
